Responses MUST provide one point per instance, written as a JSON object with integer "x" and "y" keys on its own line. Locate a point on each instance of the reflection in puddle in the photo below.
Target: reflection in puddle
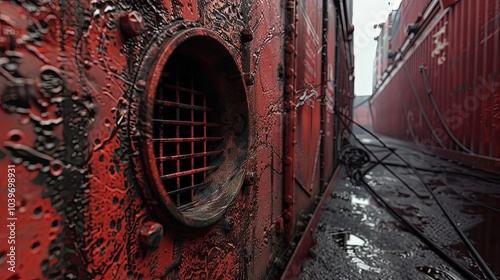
{"x": 368, "y": 221}
{"x": 362, "y": 202}
{"x": 435, "y": 273}
{"x": 349, "y": 242}
{"x": 366, "y": 140}
{"x": 346, "y": 239}
{"x": 359, "y": 200}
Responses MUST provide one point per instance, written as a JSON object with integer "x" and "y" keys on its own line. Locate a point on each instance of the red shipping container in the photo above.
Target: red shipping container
{"x": 444, "y": 91}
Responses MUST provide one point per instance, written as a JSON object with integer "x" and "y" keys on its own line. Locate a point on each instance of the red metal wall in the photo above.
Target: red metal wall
{"x": 329, "y": 152}
{"x": 336, "y": 94}
{"x": 456, "y": 58}
{"x": 410, "y": 11}
{"x": 361, "y": 112}
{"x": 75, "y": 77}
{"x": 310, "y": 84}
{"x": 346, "y": 82}
{"x": 307, "y": 104}
{"x": 314, "y": 87}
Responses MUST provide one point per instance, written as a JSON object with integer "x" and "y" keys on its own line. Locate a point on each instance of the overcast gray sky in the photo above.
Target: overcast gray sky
{"x": 366, "y": 14}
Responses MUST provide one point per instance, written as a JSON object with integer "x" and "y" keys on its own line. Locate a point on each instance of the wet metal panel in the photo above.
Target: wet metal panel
{"x": 307, "y": 103}
{"x": 329, "y": 121}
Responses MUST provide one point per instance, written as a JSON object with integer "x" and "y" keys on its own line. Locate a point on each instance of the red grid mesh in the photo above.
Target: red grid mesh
{"x": 182, "y": 134}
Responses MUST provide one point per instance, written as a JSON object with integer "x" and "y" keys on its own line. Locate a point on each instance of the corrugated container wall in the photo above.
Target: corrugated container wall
{"x": 383, "y": 48}
{"x": 444, "y": 91}
{"x": 409, "y": 13}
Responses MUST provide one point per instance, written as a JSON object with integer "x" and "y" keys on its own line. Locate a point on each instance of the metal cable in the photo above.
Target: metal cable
{"x": 360, "y": 178}
{"x": 438, "y": 112}
{"x": 422, "y": 111}
{"x": 477, "y": 257}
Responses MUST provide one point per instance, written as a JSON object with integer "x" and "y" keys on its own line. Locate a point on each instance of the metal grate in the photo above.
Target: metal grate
{"x": 184, "y": 139}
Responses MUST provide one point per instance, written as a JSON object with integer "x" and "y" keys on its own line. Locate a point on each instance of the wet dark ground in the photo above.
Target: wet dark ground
{"x": 357, "y": 238}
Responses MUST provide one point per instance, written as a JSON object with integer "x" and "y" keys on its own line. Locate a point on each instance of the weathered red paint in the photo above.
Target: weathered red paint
{"x": 294, "y": 267}
{"x": 307, "y": 138}
{"x": 328, "y": 152}
{"x": 79, "y": 98}
{"x": 311, "y": 81}
{"x": 289, "y": 106}
{"x": 453, "y": 62}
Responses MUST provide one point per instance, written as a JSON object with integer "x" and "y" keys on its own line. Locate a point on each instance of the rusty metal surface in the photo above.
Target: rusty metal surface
{"x": 295, "y": 265}
{"x": 319, "y": 102}
{"x": 443, "y": 90}
{"x": 104, "y": 135}
{"x": 307, "y": 136}
{"x": 328, "y": 101}
{"x": 314, "y": 85}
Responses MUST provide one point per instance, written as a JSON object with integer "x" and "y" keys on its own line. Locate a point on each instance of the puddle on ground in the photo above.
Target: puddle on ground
{"x": 367, "y": 141}
{"x": 476, "y": 215}
{"x": 437, "y": 274}
{"x": 360, "y": 201}
{"x": 346, "y": 239}
{"x": 349, "y": 242}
